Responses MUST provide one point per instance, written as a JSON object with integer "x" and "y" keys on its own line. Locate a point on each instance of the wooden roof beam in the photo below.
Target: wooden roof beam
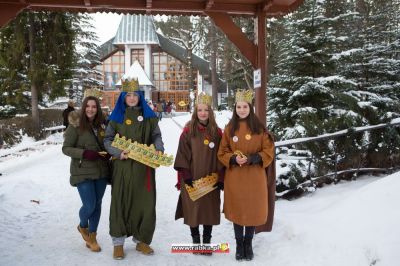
{"x": 172, "y": 7}
{"x": 200, "y": 7}
{"x": 95, "y": 4}
{"x": 235, "y": 35}
{"x": 266, "y": 5}
{"x": 9, "y": 11}
{"x": 126, "y": 6}
{"x": 209, "y": 4}
{"x": 88, "y": 5}
{"x": 149, "y": 6}
{"x": 282, "y": 8}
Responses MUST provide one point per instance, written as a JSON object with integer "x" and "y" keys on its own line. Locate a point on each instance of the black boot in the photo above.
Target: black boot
{"x": 195, "y": 233}
{"x": 207, "y": 240}
{"x": 239, "y": 249}
{"x": 248, "y": 248}
{"x": 196, "y": 241}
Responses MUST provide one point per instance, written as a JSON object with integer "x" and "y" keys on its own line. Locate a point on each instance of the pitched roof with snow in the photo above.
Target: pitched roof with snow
{"x": 136, "y": 72}
{"x": 136, "y": 29}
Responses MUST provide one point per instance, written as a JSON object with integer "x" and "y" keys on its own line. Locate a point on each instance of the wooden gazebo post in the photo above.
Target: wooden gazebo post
{"x": 261, "y": 63}
{"x": 255, "y": 53}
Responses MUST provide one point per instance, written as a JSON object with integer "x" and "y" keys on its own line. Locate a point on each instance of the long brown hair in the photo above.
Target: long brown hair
{"x": 212, "y": 126}
{"x": 84, "y": 123}
{"x": 254, "y": 124}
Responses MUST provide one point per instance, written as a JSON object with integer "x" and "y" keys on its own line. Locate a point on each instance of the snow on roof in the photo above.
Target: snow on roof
{"x": 136, "y": 71}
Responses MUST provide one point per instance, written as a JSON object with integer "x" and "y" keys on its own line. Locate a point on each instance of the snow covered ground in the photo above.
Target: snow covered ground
{"x": 351, "y": 223}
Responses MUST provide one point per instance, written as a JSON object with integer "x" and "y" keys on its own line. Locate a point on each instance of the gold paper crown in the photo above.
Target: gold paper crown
{"x": 93, "y": 92}
{"x": 204, "y": 98}
{"x": 244, "y": 96}
{"x": 202, "y": 186}
{"x": 142, "y": 153}
{"x": 130, "y": 85}
{"x": 237, "y": 152}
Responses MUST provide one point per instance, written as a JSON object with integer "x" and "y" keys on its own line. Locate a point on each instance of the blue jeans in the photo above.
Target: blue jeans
{"x": 91, "y": 193}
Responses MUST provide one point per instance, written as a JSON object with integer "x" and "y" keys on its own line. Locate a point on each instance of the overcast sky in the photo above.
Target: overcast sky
{"x": 106, "y": 25}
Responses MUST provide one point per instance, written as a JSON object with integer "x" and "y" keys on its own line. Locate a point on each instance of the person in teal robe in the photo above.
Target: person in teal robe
{"x": 133, "y": 194}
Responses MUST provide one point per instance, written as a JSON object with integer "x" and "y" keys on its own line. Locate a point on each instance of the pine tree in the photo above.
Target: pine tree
{"x": 337, "y": 68}
{"x": 85, "y": 75}
{"x": 13, "y": 75}
{"x": 37, "y": 59}
{"x": 307, "y": 96}
{"x": 306, "y": 74}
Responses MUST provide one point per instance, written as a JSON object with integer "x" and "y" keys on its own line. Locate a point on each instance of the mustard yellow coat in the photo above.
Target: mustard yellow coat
{"x": 246, "y": 191}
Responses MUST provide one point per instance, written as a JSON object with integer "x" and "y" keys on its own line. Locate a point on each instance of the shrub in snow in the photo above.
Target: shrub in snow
{"x": 7, "y": 111}
{"x": 14, "y": 125}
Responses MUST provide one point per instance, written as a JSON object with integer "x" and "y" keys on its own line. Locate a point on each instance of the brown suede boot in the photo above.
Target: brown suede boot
{"x": 118, "y": 252}
{"x": 144, "y": 248}
{"x": 92, "y": 242}
{"x": 84, "y": 233}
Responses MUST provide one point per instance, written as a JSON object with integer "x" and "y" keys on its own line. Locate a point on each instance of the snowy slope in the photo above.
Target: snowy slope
{"x": 352, "y": 223}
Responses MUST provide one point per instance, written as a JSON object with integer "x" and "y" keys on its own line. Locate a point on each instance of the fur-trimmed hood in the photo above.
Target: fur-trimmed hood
{"x": 73, "y": 118}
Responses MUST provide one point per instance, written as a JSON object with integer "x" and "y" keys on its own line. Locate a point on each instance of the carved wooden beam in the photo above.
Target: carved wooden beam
{"x": 209, "y": 4}
{"x": 282, "y": 7}
{"x": 10, "y": 11}
{"x": 235, "y": 35}
{"x": 266, "y": 5}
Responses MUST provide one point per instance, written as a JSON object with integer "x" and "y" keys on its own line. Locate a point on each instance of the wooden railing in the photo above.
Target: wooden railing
{"x": 52, "y": 130}
{"x": 333, "y": 176}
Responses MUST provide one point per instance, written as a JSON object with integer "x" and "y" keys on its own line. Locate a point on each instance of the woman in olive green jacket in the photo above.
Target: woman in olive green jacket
{"x": 89, "y": 166}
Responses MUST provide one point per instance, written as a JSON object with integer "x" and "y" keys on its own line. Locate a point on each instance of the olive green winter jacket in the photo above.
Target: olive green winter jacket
{"x": 75, "y": 143}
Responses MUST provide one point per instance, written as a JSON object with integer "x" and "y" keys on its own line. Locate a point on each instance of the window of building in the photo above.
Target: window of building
{"x": 112, "y": 68}
{"x": 176, "y": 98}
{"x": 137, "y": 54}
{"x": 169, "y": 73}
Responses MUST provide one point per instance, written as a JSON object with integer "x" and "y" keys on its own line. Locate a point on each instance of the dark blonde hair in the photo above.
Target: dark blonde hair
{"x": 84, "y": 123}
{"x": 212, "y": 126}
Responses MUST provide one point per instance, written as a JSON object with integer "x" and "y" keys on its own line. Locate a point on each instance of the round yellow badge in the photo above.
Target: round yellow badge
{"x": 102, "y": 133}
{"x": 206, "y": 142}
{"x": 248, "y": 136}
{"x": 224, "y": 247}
{"x": 128, "y": 122}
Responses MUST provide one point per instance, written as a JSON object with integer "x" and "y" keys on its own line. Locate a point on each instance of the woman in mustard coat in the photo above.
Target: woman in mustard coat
{"x": 246, "y": 150}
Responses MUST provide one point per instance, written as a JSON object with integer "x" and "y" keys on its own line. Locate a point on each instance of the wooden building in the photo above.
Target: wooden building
{"x": 161, "y": 67}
